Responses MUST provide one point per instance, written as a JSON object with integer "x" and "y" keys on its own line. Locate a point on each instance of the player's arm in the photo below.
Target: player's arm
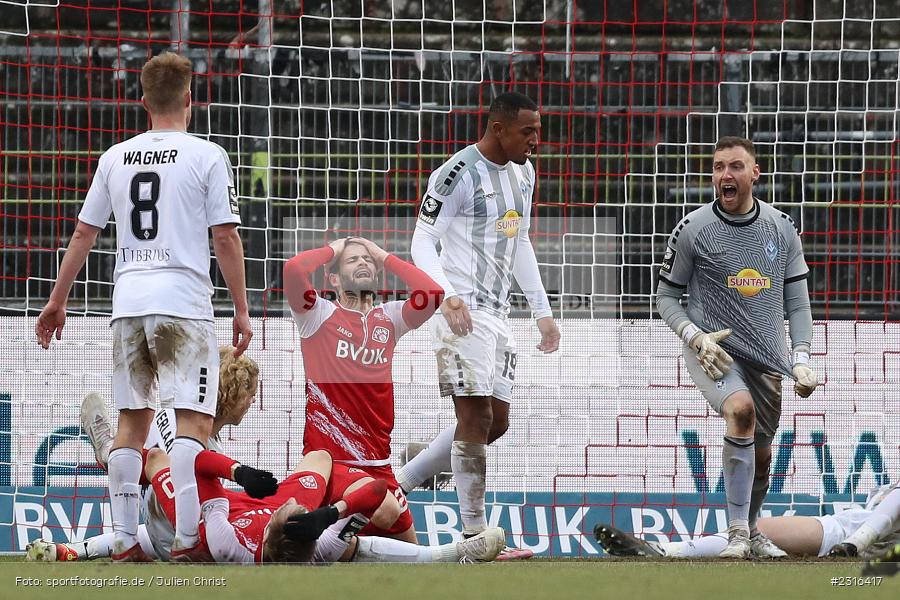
{"x": 425, "y": 294}
{"x": 53, "y": 316}
{"x": 220, "y": 536}
{"x": 213, "y": 465}
{"x": 230, "y": 256}
{"x": 223, "y": 217}
{"x": 298, "y": 287}
{"x": 674, "y": 276}
{"x": 91, "y": 220}
{"x": 528, "y": 276}
{"x": 439, "y": 207}
{"x": 799, "y": 314}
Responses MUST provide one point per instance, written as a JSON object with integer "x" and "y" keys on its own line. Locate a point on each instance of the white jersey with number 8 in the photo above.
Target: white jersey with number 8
{"x": 165, "y": 190}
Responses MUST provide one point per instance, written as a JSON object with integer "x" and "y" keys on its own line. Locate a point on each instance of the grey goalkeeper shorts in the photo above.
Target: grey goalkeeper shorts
{"x": 764, "y": 387}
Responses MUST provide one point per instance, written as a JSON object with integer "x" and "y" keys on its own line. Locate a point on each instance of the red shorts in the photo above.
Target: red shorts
{"x": 306, "y": 487}
{"x": 342, "y": 476}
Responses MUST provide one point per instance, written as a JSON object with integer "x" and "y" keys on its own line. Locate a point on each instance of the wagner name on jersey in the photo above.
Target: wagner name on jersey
{"x": 734, "y": 269}
{"x": 165, "y": 189}
{"x": 481, "y": 211}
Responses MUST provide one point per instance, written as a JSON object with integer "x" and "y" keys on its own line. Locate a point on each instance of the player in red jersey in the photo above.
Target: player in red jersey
{"x": 287, "y": 526}
{"x": 348, "y": 349}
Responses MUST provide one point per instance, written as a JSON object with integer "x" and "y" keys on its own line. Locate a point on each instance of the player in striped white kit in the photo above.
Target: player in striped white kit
{"x": 741, "y": 262}
{"x": 478, "y": 207}
{"x": 166, "y": 190}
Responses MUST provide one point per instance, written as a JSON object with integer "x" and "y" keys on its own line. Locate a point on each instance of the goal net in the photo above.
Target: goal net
{"x": 335, "y": 112}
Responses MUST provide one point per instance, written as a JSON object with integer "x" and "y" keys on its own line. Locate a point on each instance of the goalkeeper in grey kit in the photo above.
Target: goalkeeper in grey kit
{"x": 741, "y": 262}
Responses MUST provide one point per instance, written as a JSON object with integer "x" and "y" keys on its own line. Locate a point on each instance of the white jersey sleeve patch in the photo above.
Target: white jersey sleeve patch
{"x": 221, "y": 193}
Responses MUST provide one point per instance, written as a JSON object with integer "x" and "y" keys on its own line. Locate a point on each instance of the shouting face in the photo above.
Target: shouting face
{"x": 734, "y": 173}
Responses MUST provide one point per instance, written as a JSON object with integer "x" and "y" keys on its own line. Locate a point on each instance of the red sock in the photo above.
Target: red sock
{"x": 366, "y": 499}
{"x": 213, "y": 464}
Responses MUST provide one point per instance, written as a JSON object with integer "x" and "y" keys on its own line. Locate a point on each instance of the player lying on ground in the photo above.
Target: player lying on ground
{"x": 238, "y": 382}
{"x": 348, "y": 351}
{"x": 884, "y": 520}
{"x": 293, "y": 526}
{"x": 798, "y": 536}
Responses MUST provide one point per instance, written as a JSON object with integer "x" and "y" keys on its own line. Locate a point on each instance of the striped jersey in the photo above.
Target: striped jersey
{"x": 734, "y": 269}
{"x": 481, "y": 211}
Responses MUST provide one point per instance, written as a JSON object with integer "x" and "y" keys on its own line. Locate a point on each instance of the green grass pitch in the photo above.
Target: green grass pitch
{"x": 557, "y": 580}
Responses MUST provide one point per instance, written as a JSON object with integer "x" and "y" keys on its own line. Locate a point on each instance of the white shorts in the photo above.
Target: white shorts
{"x": 180, "y": 354}
{"x": 482, "y": 363}
{"x": 838, "y": 527}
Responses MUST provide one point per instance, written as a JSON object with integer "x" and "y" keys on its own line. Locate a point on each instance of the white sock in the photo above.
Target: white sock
{"x": 879, "y": 523}
{"x": 184, "y": 480}
{"x": 146, "y": 543}
{"x": 469, "y": 461}
{"x": 99, "y": 546}
{"x": 428, "y": 463}
{"x": 388, "y": 550}
{"x": 704, "y": 547}
{"x": 125, "y": 494}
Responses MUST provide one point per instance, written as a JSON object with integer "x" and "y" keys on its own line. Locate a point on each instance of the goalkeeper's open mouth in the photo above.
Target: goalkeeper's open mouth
{"x": 729, "y": 191}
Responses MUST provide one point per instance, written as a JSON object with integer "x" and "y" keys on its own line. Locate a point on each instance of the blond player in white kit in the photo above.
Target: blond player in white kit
{"x": 166, "y": 189}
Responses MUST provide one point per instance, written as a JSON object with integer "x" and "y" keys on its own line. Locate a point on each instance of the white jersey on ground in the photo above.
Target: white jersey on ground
{"x": 481, "y": 211}
{"x": 165, "y": 190}
{"x": 162, "y": 433}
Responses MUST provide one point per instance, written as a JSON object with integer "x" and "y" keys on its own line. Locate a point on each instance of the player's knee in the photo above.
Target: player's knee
{"x": 478, "y": 415}
{"x": 388, "y": 513}
{"x": 499, "y": 426}
{"x": 319, "y": 461}
{"x": 156, "y": 461}
{"x": 740, "y": 412}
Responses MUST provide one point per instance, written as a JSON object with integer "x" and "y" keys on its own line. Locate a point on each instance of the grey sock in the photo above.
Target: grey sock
{"x": 738, "y": 464}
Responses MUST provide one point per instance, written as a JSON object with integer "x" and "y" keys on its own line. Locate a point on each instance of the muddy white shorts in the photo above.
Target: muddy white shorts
{"x": 180, "y": 357}
{"x": 482, "y": 363}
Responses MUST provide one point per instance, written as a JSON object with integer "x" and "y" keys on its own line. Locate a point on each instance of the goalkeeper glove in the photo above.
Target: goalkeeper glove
{"x": 257, "y": 483}
{"x": 806, "y": 380}
{"x": 713, "y": 359}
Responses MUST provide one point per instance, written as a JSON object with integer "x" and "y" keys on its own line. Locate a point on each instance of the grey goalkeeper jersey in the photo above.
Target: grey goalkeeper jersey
{"x": 734, "y": 270}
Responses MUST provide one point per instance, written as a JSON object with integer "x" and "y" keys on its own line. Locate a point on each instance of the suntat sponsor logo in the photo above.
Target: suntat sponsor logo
{"x": 749, "y": 282}
{"x": 509, "y": 223}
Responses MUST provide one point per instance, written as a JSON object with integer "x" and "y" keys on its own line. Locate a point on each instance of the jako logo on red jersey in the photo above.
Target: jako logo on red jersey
{"x": 366, "y": 356}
